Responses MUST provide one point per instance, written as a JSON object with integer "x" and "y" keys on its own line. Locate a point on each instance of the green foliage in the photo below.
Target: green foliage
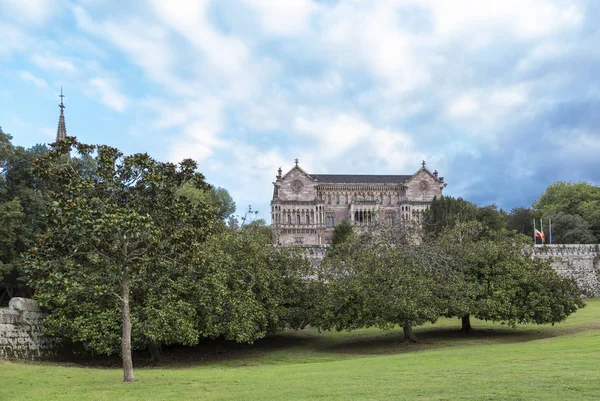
{"x": 369, "y": 281}
{"x": 217, "y": 198}
{"x": 581, "y": 199}
{"x": 116, "y": 238}
{"x": 341, "y": 232}
{"x": 255, "y": 288}
{"x": 446, "y": 213}
{"x": 23, "y": 204}
{"x": 521, "y": 220}
{"x": 125, "y": 243}
{"x": 502, "y": 283}
{"x": 570, "y": 229}
{"x": 492, "y": 219}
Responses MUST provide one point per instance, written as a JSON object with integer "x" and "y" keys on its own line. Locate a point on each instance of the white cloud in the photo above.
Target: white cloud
{"x": 52, "y": 63}
{"x": 354, "y": 138}
{"x": 342, "y": 85}
{"x": 521, "y": 17}
{"x": 465, "y": 105}
{"x": 484, "y": 108}
{"x": 109, "y": 93}
{"x": 225, "y": 52}
{"x": 144, "y": 42}
{"x": 290, "y": 17}
{"x": 13, "y": 39}
{"x": 37, "y": 81}
{"x": 35, "y": 12}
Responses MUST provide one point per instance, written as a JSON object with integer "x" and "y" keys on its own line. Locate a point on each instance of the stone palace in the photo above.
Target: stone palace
{"x": 306, "y": 207}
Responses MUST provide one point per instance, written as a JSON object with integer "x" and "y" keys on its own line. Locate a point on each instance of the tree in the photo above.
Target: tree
{"x": 520, "y": 219}
{"x": 341, "y": 232}
{"x": 262, "y": 288}
{"x": 118, "y": 239}
{"x": 491, "y": 218}
{"x": 218, "y": 198}
{"x": 581, "y": 198}
{"x": 570, "y": 229}
{"x": 23, "y": 204}
{"x": 446, "y": 213}
{"x": 496, "y": 279}
{"x": 369, "y": 281}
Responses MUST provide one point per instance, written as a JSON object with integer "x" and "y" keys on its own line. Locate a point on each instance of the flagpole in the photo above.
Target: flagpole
{"x": 550, "y": 224}
{"x": 542, "y": 229}
{"x": 534, "y": 240}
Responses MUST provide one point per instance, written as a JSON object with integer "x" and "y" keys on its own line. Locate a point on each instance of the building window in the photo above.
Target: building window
{"x": 329, "y": 221}
{"x": 346, "y": 199}
{"x": 289, "y": 219}
{"x": 337, "y": 199}
{"x": 329, "y": 199}
{"x": 307, "y": 218}
{"x": 298, "y": 219}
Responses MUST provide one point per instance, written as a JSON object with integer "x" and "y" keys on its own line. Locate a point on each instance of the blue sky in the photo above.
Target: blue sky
{"x": 502, "y": 97}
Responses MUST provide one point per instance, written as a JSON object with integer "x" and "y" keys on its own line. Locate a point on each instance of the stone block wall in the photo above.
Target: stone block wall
{"x": 21, "y": 331}
{"x": 580, "y": 262}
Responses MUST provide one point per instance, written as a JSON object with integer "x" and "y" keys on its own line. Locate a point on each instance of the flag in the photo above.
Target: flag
{"x": 540, "y": 235}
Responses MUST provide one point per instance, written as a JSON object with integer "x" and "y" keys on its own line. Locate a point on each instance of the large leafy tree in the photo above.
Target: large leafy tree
{"x": 119, "y": 241}
{"x": 570, "y": 229}
{"x": 499, "y": 281}
{"x": 446, "y": 213}
{"x": 520, "y": 219}
{"x": 372, "y": 280}
{"x": 23, "y": 203}
{"x": 261, "y": 288}
{"x": 575, "y": 199}
{"x": 340, "y": 232}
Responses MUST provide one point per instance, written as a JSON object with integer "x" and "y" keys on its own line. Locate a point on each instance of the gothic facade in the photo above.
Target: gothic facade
{"x": 306, "y": 207}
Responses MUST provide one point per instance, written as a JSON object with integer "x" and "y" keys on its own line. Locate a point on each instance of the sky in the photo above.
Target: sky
{"x": 501, "y": 97}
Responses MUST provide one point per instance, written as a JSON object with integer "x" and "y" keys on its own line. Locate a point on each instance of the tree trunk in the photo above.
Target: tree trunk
{"x": 155, "y": 351}
{"x": 466, "y": 323}
{"x": 126, "y": 339}
{"x": 408, "y": 334}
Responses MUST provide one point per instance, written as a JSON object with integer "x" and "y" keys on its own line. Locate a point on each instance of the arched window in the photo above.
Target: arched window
{"x": 346, "y": 199}
{"x": 329, "y": 221}
{"x": 329, "y": 199}
{"x": 298, "y": 219}
{"x": 307, "y": 218}
{"x": 289, "y": 219}
{"x": 337, "y": 199}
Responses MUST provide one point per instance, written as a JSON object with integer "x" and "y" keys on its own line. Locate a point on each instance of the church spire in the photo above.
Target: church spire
{"x": 61, "y": 133}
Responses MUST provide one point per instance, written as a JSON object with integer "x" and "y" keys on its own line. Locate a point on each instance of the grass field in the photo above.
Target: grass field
{"x": 560, "y": 362}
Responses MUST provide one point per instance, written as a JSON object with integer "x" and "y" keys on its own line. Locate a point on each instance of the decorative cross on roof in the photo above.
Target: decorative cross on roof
{"x": 296, "y": 161}
{"x": 423, "y": 163}
{"x": 62, "y": 106}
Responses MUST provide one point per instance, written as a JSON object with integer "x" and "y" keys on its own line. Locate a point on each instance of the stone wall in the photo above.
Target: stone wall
{"x": 21, "y": 331}
{"x": 580, "y": 262}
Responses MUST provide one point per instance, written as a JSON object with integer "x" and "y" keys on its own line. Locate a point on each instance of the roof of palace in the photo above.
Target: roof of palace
{"x": 360, "y": 179}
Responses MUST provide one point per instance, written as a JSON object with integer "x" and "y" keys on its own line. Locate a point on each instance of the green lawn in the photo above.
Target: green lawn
{"x": 560, "y": 362}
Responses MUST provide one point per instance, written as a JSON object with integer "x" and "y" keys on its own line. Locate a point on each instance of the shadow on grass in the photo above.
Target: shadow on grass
{"x": 310, "y": 346}
{"x": 435, "y": 338}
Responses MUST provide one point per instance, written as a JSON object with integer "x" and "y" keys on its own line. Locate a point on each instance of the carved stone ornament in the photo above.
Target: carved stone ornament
{"x": 297, "y": 185}
{"x": 423, "y": 185}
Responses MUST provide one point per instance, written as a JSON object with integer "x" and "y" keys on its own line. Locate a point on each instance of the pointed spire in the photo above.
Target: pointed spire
{"x": 61, "y": 133}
